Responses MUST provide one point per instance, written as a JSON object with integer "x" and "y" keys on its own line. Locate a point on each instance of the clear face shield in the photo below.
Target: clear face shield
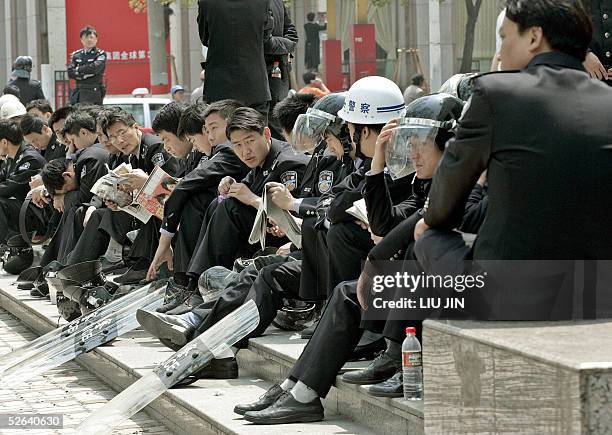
{"x": 309, "y": 130}
{"x": 407, "y": 141}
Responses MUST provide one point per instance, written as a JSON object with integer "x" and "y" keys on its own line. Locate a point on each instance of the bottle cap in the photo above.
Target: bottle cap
{"x": 411, "y": 330}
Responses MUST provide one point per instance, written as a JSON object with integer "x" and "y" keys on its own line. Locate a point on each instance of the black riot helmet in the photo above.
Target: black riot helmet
{"x": 443, "y": 108}
{"x": 332, "y": 104}
{"x": 22, "y": 67}
{"x": 459, "y": 85}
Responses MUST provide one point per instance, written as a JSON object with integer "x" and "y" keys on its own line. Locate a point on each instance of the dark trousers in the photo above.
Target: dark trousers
{"x": 348, "y": 246}
{"x": 66, "y": 237}
{"x": 315, "y": 262}
{"x": 186, "y": 237}
{"x": 146, "y": 241}
{"x": 267, "y": 287}
{"x": 333, "y": 341}
{"x": 225, "y": 236}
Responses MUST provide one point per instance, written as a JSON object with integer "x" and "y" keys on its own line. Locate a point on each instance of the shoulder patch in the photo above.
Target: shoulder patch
{"x": 83, "y": 171}
{"x": 24, "y": 167}
{"x": 326, "y": 181}
{"x": 289, "y": 179}
{"x": 203, "y": 160}
{"x": 158, "y": 159}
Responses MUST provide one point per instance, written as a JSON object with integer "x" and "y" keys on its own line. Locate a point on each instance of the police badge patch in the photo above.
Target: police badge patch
{"x": 83, "y": 171}
{"x": 289, "y": 179}
{"x": 326, "y": 181}
{"x": 24, "y": 167}
{"x": 158, "y": 159}
{"x": 203, "y": 160}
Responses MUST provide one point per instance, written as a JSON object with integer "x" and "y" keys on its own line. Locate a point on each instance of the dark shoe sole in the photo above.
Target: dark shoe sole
{"x": 304, "y": 418}
{"x": 364, "y": 381}
{"x": 383, "y": 394}
{"x": 160, "y": 329}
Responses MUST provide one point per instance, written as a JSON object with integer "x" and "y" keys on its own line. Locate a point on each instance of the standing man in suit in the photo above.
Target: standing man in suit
{"x": 598, "y": 62}
{"x": 234, "y": 32}
{"x": 538, "y": 155}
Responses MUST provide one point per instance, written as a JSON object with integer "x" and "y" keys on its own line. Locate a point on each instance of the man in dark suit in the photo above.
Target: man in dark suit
{"x": 541, "y": 155}
{"x": 234, "y": 32}
{"x": 598, "y": 61}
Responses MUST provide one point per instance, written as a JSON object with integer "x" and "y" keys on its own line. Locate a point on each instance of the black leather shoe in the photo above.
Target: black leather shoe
{"x": 224, "y": 368}
{"x": 160, "y": 325}
{"x": 369, "y": 351}
{"x": 193, "y": 300}
{"x": 41, "y": 291}
{"x": 379, "y": 370}
{"x": 392, "y": 387}
{"x": 132, "y": 276}
{"x": 308, "y": 332}
{"x": 267, "y": 399}
{"x": 174, "y": 296}
{"x": 287, "y": 410}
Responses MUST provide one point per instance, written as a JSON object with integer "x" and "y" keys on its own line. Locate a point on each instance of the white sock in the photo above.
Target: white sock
{"x": 192, "y": 318}
{"x": 303, "y": 393}
{"x": 287, "y": 384}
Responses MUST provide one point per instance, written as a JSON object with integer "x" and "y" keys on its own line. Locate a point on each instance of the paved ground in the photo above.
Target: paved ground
{"x": 69, "y": 390}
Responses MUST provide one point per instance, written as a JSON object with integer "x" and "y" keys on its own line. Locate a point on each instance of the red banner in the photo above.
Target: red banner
{"x": 122, "y": 33}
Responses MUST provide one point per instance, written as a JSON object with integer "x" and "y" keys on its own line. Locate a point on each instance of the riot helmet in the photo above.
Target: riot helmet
{"x": 459, "y": 85}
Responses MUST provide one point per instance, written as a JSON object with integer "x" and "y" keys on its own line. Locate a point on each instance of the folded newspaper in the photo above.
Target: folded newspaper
{"x": 143, "y": 204}
{"x": 359, "y": 210}
{"x": 285, "y": 221}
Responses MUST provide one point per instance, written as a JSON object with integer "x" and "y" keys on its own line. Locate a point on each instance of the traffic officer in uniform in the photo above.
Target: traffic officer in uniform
{"x": 22, "y": 162}
{"x": 87, "y": 69}
{"x": 29, "y": 89}
{"x": 185, "y": 208}
{"x": 39, "y": 134}
{"x": 226, "y": 234}
{"x": 143, "y": 151}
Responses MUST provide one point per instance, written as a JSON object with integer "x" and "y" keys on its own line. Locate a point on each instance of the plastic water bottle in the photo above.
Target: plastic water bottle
{"x": 412, "y": 367}
{"x": 276, "y": 71}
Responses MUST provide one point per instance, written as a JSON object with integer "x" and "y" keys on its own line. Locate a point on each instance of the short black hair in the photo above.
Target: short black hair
{"x": 87, "y": 30}
{"x": 59, "y": 114}
{"x": 310, "y": 16}
{"x": 78, "y": 120}
{"x": 10, "y": 131}
{"x": 43, "y": 105}
{"x": 192, "y": 120}
{"x": 11, "y": 90}
{"x": 225, "y": 108}
{"x": 168, "y": 118}
{"x": 246, "y": 119}
{"x": 417, "y": 79}
{"x": 308, "y": 77}
{"x": 287, "y": 110}
{"x": 566, "y": 25}
{"x": 52, "y": 174}
{"x": 116, "y": 114}
{"x": 31, "y": 123}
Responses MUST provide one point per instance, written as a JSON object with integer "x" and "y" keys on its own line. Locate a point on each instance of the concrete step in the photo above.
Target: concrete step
{"x": 519, "y": 377}
{"x": 205, "y": 407}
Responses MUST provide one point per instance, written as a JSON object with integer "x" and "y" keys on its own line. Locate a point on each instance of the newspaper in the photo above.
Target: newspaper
{"x": 285, "y": 221}
{"x": 143, "y": 204}
{"x": 359, "y": 210}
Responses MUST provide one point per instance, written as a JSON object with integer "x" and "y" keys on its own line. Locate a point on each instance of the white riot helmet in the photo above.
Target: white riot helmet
{"x": 373, "y": 100}
{"x": 12, "y": 109}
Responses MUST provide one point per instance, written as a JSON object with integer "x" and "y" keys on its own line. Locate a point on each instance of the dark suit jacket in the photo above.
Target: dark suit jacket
{"x": 601, "y": 45}
{"x": 234, "y": 32}
{"x": 545, "y": 136}
{"x": 278, "y": 47}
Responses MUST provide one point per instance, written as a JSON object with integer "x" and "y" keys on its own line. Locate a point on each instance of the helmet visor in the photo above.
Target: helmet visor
{"x": 309, "y": 130}
{"x": 407, "y": 142}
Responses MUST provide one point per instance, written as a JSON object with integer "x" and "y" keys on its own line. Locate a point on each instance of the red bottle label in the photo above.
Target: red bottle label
{"x": 412, "y": 359}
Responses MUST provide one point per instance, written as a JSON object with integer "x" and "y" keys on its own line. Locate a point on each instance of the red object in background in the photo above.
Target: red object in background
{"x": 123, "y": 34}
{"x": 362, "y": 51}
{"x": 332, "y": 65}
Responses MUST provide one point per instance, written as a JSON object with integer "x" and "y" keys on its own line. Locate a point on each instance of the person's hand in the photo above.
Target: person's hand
{"x": 284, "y": 250}
{"x": 362, "y": 225}
{"x": 363, "y": 284}
{"x": 275, "y": 229}
{"x": 58, "y": 203}
{"x": 376, "y": 239}
{"x": 242, "y": 193}
{"x": 225, "y": 184}
{"x": 135, "y": 179}
{"x": 35, "y": 181}
{"x": 88, "y": 213}
{"x": 112, "y": 205}
{"x": 281, "y": 196}
{"x": 420, "y": 228}
{"x": 610, "y": 72}
{"x": 483, "y": 179}
{"x": 380, "y": 149}
{"x": 593, "y": 66}
{"x": 39, "y": 196}
{"x": 164, "y": 254}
